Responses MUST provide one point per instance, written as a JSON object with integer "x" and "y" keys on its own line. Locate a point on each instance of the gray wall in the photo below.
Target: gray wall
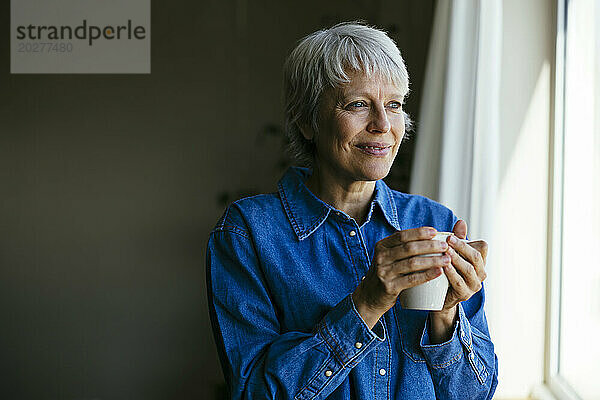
{"x": 110, "y": 184}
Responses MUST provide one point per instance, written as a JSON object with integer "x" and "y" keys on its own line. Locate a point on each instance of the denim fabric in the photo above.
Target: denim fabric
{"x": 280, "y": 271}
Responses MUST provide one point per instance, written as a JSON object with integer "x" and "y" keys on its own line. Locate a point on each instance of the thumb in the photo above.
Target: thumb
{"x": 460, "y": 229}
{"x": 481, "y": 246}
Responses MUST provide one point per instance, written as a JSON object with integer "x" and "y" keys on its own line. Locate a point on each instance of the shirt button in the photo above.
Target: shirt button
{"x": 471, "y": 356}
{"x": 382, "y": 372}
{"x": 358, "y": 345}
{"x": 352, "y": 233}
{"x": 328, "y": 373}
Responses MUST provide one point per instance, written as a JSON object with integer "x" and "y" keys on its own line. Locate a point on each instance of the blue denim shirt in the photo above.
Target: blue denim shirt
{"x": 280, "y": 271}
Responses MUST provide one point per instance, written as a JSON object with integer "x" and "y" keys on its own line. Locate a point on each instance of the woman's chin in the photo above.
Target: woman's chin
{"x": 375, "y": 172}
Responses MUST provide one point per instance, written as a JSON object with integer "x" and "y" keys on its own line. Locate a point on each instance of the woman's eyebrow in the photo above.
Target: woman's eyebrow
{"x": 395, "y": 95}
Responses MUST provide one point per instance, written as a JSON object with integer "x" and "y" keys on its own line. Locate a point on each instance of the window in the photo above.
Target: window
{"x": 573, "y": 346}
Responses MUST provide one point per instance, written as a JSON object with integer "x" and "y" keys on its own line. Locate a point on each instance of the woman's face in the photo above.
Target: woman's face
{"x": 361, "y": 126}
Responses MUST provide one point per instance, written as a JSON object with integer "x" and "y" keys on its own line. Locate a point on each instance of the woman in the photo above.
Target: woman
{"x": 303, "y": 282}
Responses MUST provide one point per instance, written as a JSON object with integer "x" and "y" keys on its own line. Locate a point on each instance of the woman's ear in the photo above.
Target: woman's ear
{"x": 307, "y": 131}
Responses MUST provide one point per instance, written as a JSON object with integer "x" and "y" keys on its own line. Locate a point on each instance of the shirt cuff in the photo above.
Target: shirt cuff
{"x": 347, "y": 334}
{"x": 445, "y": 354}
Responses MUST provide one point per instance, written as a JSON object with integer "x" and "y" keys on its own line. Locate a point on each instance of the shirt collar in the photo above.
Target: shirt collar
{"x": 307, "y": 213}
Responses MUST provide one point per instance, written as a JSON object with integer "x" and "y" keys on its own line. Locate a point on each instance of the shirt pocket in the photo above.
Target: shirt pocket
{"x": 410, "y": 325}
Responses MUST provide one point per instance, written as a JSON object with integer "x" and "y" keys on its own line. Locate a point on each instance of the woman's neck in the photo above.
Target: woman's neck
{"x": 352, "y": 197}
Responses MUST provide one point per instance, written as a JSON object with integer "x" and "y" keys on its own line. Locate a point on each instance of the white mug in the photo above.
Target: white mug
{"x": 429, "y": 295}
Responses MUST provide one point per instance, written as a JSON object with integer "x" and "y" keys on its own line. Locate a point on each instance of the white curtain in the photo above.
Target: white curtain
{"x": 457, "y": 149}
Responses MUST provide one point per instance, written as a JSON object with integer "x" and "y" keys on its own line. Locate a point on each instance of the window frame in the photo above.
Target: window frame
{"x": 554, "y": 385}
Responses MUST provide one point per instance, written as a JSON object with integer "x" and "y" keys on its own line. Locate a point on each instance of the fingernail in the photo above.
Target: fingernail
{"x": 453, "y": 239}
{"x": 446, "y": 259}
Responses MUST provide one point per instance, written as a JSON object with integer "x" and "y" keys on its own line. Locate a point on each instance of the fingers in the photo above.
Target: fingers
{"x": 407, "y": 243}
{"x": 408, "y": 235}
{"x": 418, "y": 278}
{"x": 462, "y": 279}
{"x": 409, "y": 272}
{"x": 386, "y": 256}
{"x": 481, "y": 246}
{"x": 457, "y": 283}
{"x": 399, "y": 263}
{"x": 468, "y": 281}
{"x": 460, "y": 229}
{"x": 471, "y": 255}
{"x": 414, "y": 264}
{"x": 381, "y": 286}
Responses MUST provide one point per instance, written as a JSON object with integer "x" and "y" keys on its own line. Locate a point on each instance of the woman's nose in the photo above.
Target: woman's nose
{"x": 378, "y": 121}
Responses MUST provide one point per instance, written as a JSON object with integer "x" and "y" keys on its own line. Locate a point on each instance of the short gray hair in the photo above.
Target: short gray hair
{"x": 324, "y": 59}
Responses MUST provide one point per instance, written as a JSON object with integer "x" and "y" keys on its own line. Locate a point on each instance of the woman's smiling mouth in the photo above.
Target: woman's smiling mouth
{"x": 375, "y": 149}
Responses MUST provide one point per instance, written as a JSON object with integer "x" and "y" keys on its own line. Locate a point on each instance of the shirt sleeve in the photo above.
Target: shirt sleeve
{"x": 465, "y": 366}
{"x": 259, "y": 360}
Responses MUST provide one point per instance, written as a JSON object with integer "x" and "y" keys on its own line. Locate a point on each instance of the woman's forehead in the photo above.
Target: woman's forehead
{"x": 362, "y": 83}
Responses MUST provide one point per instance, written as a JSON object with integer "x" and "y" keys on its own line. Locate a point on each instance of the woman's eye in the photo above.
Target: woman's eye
{"x": 357, "y": 104}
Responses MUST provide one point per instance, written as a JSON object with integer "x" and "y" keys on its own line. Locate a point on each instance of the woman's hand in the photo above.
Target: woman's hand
{"x": 467, "y": 270}
{"x": 465, "y": 275}
{"x": 395, "y": 267}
